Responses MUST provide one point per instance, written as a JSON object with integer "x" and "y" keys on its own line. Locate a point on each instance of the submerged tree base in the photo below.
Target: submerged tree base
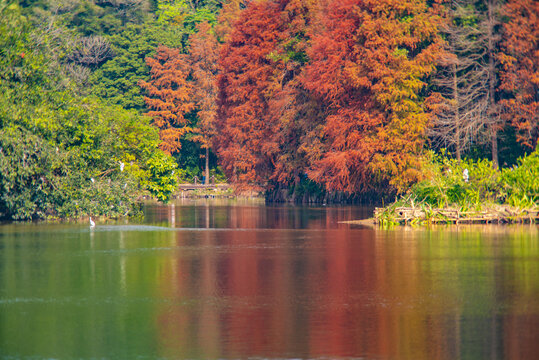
{"x": 495, "y": 214}
{"x": 319, "y": 196}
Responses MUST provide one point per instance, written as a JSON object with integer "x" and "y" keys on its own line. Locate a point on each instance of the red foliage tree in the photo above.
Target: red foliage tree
{"x": 228, "y": 16}
{"x": 258, "y": 134}
{"x": 520, "y": 73}
{"x": 369, "y": 61}
{"x": 291, "y": 106}
{"x": 170, "y": 96}
{"x": 246, "y": 135}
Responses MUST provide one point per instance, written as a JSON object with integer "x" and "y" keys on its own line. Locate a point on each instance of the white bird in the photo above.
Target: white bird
{"x": 465, "y": 175}
{"x": 92, "y": 180}
{"x": 122, "y": 166}
{"x": 92, "y": 223}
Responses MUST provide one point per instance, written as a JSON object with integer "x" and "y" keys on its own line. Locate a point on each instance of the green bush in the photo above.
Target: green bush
{"x": 27, "y": 166}
{"x": 218, "y": 175}
{"x": 446, "y": 184}
{"x": 187, "y": 174}
{"x": 162, "y": 181}
{"x": 521, "y": 182}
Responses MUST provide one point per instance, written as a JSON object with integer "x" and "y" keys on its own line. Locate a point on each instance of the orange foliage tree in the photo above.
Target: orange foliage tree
{"x": 520, "y": 73}
{"x": 227, "y": 18}
{"x": 170, "y": 96}
{"x": 203, "y": 56}
{"x": 369, "y": 63}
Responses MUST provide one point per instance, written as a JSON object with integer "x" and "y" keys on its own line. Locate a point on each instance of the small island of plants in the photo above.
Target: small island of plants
{"x": 469, "y": 191}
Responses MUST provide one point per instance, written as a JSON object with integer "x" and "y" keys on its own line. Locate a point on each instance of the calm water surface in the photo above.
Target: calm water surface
{"x": 213, "y": 280}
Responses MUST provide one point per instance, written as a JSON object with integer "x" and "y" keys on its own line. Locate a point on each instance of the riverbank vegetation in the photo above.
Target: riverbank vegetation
{"x": 317, "y": 100}
{"x": 469, "y": 191}
{"x": 352, "y": 95}
{"x": 63, "y": 151}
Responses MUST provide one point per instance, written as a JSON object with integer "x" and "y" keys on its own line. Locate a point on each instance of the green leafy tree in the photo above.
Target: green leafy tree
{"x": 187, "y": 13}
{"x": 161, "y": 181}
{"x": 117, "y": 79}
{"x": 27, "y": 164}
{"x": 62, "y": 154}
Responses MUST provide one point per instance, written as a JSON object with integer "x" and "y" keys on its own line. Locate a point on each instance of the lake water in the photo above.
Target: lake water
{"x": 219, "y": 280}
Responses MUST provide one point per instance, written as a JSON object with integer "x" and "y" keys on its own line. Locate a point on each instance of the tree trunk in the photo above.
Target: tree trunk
{"x": 492, "y": 85}
{"x": 457, "y": 113}
{"x": 494, "y": 143}
{"x": 207, "y": 169}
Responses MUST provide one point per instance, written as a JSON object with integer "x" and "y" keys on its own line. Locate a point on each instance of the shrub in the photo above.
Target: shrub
{"x": 26, "y": 170}
{"x": 521, "y": 182}
{"x": 446, "y": 183}
{"x": 162, "y": 181}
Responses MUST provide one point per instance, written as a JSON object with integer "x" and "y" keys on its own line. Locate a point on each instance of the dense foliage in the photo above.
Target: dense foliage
{"x": 474, "y": 184}
{"x": 63, "y": 153}
{"x": 287, "y": 96}
{"x": 520, "y": 185}
{"x": 353, "y": 93}
{"x": 453, "y": 182}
